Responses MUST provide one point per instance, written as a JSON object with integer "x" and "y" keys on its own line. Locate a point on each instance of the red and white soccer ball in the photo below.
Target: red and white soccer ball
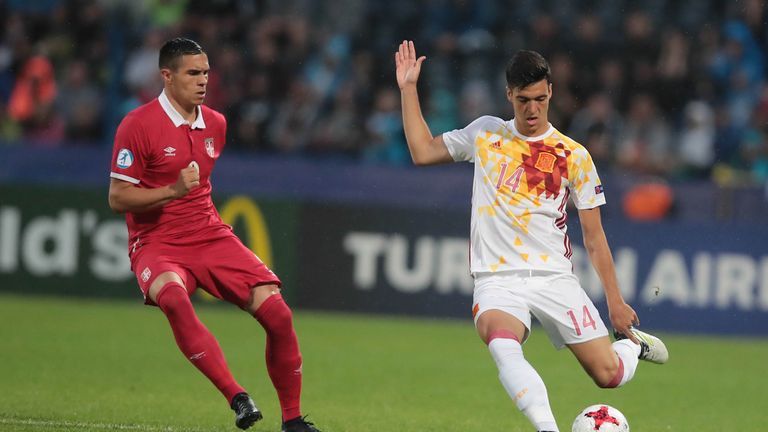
{"x": 602, "y": 418}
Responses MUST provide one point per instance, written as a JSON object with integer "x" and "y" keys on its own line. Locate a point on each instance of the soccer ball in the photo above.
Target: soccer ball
{"x": 601, "y": 417}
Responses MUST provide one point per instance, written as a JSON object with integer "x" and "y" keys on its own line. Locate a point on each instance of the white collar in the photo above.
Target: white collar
{"x": 518, "y": 134}
{"x": 174, "y": 115}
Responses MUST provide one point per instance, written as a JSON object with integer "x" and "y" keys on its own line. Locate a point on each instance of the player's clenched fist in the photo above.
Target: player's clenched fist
{"x": 189, "y": 178}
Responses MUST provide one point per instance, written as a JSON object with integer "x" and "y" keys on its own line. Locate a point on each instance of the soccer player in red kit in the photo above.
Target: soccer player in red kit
{"x": 163, "y": 156}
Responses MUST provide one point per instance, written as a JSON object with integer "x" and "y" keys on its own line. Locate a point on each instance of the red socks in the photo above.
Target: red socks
{"x": 202, "y": 349}
{"x": 194, "y": 339}
{"x": 283, "y": 356}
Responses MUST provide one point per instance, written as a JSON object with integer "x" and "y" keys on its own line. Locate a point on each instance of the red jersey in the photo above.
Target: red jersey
{"x": 152, "y": 144}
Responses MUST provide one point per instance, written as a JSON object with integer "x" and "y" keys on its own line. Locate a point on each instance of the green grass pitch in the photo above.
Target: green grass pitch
{"x": 87, "y": 365}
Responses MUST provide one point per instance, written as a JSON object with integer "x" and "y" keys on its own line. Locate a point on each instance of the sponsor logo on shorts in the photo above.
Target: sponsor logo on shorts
{"x": 146, "y": 274}
{"x": 124, "y": 158}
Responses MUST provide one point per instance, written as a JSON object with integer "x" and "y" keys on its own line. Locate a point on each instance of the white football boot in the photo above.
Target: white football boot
{"x": 652, "y": 348}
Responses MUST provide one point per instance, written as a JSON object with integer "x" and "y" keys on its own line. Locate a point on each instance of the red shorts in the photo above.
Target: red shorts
{"x": 219, "y": 264}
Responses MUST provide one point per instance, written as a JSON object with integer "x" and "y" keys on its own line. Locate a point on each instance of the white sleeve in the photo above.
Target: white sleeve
{"x": 461, "y": 142}
{"x": 587, "y": 188}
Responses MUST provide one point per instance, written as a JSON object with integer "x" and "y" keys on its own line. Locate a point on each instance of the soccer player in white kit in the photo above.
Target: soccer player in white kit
{"x": 524, "y": 172}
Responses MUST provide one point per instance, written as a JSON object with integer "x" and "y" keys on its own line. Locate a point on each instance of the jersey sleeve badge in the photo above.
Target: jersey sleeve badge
{"x": 124, "y": 158}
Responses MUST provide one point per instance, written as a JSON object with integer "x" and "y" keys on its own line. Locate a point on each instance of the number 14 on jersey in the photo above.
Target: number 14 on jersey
{"x": 512, "y": 181}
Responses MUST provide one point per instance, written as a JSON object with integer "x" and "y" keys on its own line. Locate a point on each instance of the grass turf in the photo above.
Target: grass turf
{"x": 88, "y": 365}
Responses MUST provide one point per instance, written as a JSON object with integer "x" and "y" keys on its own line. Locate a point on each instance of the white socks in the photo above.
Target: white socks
{"x": 628, "y": 353}
{"x": 526, "y": 388}
{"x": 523, "y": 383}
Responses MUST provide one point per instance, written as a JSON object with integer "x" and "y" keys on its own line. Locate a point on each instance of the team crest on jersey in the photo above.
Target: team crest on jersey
{"x": 209, "y": 147}
{"x": 146, "y": 274}
{"x": 545, "y": 162}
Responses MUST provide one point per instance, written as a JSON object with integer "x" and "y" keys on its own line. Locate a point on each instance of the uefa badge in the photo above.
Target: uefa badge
{"x": 124, "y": 158}
{"x": 209, "y": 147}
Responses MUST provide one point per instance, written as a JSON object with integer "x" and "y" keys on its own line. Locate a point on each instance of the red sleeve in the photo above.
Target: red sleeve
{"x": 128, "y": 152}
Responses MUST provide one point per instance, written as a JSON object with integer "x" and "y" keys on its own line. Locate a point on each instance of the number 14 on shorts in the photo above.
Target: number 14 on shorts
{"x": 586, "y": 319}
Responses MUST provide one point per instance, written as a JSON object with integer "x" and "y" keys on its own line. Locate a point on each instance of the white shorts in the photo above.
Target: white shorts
{"x": 557, "y": 301}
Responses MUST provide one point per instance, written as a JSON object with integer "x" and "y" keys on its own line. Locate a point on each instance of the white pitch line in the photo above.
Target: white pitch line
{"x": 106, "y": 426}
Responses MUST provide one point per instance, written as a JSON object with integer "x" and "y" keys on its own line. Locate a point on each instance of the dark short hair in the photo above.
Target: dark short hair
{"x": 174, "y": 49}
{"x": 527, "y": 67}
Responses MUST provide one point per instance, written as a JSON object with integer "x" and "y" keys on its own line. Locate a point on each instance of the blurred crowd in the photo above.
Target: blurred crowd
{"x": 670, "y": 88}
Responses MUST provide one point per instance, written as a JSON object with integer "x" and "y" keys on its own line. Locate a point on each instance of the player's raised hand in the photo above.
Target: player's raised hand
{"x": 189, "y": 178}
{"x": 407, "y": 65}
{"x": 623, "y": 318}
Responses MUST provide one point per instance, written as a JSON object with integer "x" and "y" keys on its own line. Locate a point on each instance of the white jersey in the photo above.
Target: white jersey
{"x": 521, "y": 187}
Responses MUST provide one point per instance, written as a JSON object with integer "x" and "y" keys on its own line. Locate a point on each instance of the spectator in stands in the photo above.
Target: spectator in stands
{"x": 10, "y": 130}
{"x": 696, "y": 150}
{"x": 598, "y": 126}
{"x": 140, "y": 68}
{"x": 338, "y": 128}
{"x": 613, "y": 81}
{"x": 250, "y": 116}
{"x": 600, "y": 46}
{"x": 79, "y": 101}
{"x": 644, "y": 144}
{"x": 566, "y": 104}
{"x": 163, "y": 13}
{"x": 35, "y": 88}
{"x": 640, "y": 50}
{"x": 294, "y": 117}
{"x": 738, "y": 68}
{"x": 474, "y": 100}
{"x": 674, "y": 86}
{"x": 31, "y": 103}
{"x": 587, "y": 49}
{"x": 754, "y": 145}
{"x": 384, "y": 142}
{"x": 546, "y": 35}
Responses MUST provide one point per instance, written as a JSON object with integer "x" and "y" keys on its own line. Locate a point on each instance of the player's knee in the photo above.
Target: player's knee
{"x": 605, "y": 376}
{"x": 162, "y": 281}
{"x": 282, "y": 317}
{"x": 260, "y": 296}
{"x": 275, "y": 315}
{"x": 171, "y": 297}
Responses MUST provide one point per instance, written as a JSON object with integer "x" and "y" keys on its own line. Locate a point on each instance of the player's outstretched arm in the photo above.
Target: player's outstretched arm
{"x": 622, "y": 316}
{"x": 425, "y": 149}
{"x": 125, "y": 197}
